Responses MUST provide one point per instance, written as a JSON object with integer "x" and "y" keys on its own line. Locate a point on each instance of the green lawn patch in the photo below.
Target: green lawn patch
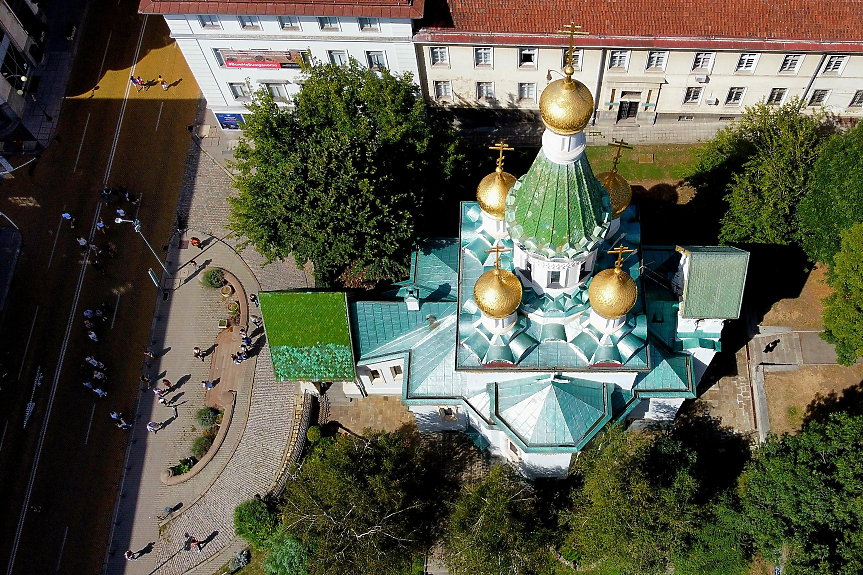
{"x": 670, "y": 162}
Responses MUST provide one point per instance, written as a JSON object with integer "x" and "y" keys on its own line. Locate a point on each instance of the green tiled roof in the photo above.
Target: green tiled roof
{"x": 384, "y": 327}
{"x": 434, "y": 271}
{"x": 714, "y": 286}
{"x": 558, "y": 210}
{"x": 671, "y": 374}
{"x": 308, "y": 335}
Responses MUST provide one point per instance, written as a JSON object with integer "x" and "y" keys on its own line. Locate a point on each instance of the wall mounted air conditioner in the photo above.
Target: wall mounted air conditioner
{"x": 711, "y": 101}
{"x": 702, "y": 79}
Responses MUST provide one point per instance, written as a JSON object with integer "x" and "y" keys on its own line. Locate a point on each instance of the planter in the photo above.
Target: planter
{"x": 226, "y": 291}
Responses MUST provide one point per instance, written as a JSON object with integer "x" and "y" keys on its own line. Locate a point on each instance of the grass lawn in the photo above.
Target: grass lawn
{"x": 670, "y": 161}
{"x": 305, "y": 319}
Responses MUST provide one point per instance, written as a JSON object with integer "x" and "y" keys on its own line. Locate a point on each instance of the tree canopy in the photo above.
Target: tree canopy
{"x": 843, "y": 309}
{"x": 254, "y": 522}
{"x": 341, "y": 178}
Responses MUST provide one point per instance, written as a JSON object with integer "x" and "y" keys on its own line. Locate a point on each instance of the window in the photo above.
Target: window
{"x": 374, "y": 374}
{"x": 693, "y": 95}
{"x": 239, "y": 90}
{"x": 513, "y": 449}
{"x": 328, "y": 23}
{"x": 485, "y": 90}
{"x": 735, "y": 96}
{"x": 442, "y": 90}
{"x": 790, "y": 63}
{"x": 527, "y": 58}
{"x": 554, "y": 279}
{"x": 482, "y": 57}
{"x": 338, "y": 57}
{"x": 818, "y": 97}
{"x": 448, "y": 414}
{"x": 527, "y": 92}
{"x": 369, "y": 25}
{"x": 656, "y": 60}
{"x": 702, "y": 61}
{"x": 209, "y": 21}
{"x": 747, "y": 62}
{"x": 396, "y": 370}
{"x": 278, "y": 92}
{"x": 776, "y": 96}
{"x": 576, "y": 59}
{"x": 685, "y": 118}
{"x": 857, "y": 100}
{"x": 289, "y": 22}
{"x": 376, "y": 60}
{"x": 218, "y": 54}
{"x": 439, "y": 55}
{"x": 835, "y": 64}
{"x": 249, "y": 22}
{"x": 618, "y": 58}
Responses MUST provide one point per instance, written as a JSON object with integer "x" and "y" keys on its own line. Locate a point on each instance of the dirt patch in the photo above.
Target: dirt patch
{"x": 679, "y": 192}
{"x": 803, "y": 312}
{"x": 810, "y": 393}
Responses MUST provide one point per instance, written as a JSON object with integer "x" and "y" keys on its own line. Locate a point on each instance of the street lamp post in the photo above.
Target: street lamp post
{"x": 137, "y": 224}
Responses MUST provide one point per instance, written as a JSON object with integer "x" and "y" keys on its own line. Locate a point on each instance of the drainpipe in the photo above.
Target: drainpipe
{"x": 598, "y": 86}
{"x": 811, "y": 81}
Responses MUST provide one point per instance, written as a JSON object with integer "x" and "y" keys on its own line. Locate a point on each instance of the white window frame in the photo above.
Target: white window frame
{"x": 278, "y": 85}
{"x": 331, "y": 53}
{"x": 856, "y": 100}
{"x": 578, "y": 56}
{"x": 329, "y": 26}
{"x": 699, "y": 58}
{"x": 239, "y": 90}
{"x": 819, "y": 91}
{"x": 209, "y": 21}
{"x": 781, "y": 100}
{"x": 477, "y": 50}
{"x": 485, "y": 98}
{"x": 444, "y": 50}
{"x": 831, "y": 62}
{"x": 661, "y": 67}
{"x": 797, "y": 64}
{"x": 249, "y": 22}
{"x": 739, "y": 102}
{"x": 530, "y": 86}
{"x": 690, "y": 90}
{"x": 444, "y": 94}
{"x": 289, "y": 23}
{"x": 397, "y": 372}
{"x": 747, "y": 62}
{"x": 383, "y": 56}
{"x": 530, "y": 65}
{"x": 685, "y": 118}
{"x": 611, "y": 58}
{"x": 371, "y": 24}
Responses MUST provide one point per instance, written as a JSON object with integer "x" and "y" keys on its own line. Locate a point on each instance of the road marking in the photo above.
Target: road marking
{"x": 56, "y": 380}
{"x": 2, "y": 439}
{"x": 56, "y": 237}
{"x": 10, "y": 219}
{"x": 26, "y": 347}
{"x": 159, "y": 117}
{"x": 62, "y": 547}
{"x": 125, "y": 102}
{"x": 116, "y": 305}
{"x": 86, "y": 439}
{"x": 102, "y": 67}
{"x": 81, "y": 145}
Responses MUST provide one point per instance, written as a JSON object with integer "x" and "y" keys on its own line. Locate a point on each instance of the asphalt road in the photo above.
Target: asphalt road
{"x": 59, "y": 475}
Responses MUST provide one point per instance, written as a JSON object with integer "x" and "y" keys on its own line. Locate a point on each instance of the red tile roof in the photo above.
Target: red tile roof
{"x": 370, "y": 8}
{"x": 646, "y": 22}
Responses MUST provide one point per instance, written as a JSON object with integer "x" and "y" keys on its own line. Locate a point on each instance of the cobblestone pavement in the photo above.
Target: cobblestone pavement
{"x": 730, "y": 398}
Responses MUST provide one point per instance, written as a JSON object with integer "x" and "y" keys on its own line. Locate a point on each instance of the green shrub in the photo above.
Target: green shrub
{"x": 201, "y": 446}
{"x": 214, "y": 278}
{"x": 239, "y": 560}
{"x": 184, "y": 466}
{"x": 207, "y": 416}
{"x": 287, "y": 556}
{"x": 254, "y": 522}
{"x": 313, "y": 434}
{"x": 233, "y": 308}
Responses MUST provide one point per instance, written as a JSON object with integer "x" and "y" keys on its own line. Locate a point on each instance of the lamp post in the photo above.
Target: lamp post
{"x": 137, "y": 224}
{"x": 22, "y": 79}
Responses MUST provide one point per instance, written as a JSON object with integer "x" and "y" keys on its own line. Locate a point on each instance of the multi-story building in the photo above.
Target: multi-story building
{"x": 238, "y": 47}
{"x": 22, "y": 33}
{"x": 647, "y": 62}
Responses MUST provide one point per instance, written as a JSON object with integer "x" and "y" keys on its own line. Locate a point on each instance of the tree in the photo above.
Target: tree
{"x": 342, "y": 178}
{"x": 358, "y": 504}
{"x": 494, "y": 528}
{"x": 762, "y": 162}
{"x": 254, "y": 522}
{"x": 834, "y": 201}
{"x": 843, "y": 309}
{"x": 803, "y": 493}
{"x": 285, "y": 556}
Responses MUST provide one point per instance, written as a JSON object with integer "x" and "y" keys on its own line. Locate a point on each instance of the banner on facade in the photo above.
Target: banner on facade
{"x": 262, "y": 59}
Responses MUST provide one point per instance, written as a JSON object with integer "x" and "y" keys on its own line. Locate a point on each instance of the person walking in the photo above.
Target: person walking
{"x": 149, "y": 354}
{"x": 88, "y": 313}
{"x": 92, "y": 335}
{"x": 208, "y": 385}
{"x": 254, "y": 299}
{"x": 71, "y": 220}
{"x": 82, "y": 242}
{"x": 196, "y": 242}
{"x": 194, "y": 265}
{"x": 94, "y": 362}
{"x": 98, "y": 391}
{"x": 121, "y": 212}
{"x": 192, "y": 542}
{"x": 130, "y": 555}
{"x": 161, "y": 81}
{"x": 100, "y": 225}
{"x": 147, "y": 380}
{"x": 154, "y": 426}
{"x": 95, "y": 248}
{"x": 197, "y": 353}
{"x": 256, "y": 319}
{"x": 168, "y": 385}
{"x": 134, "y": 82}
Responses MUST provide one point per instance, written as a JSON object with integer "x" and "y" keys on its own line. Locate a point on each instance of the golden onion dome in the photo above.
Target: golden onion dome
{"x": 612, "y": 293}
{"x": 618, "y": 189}
{"x": 566, "y": 105}
{"x": 497, "y": 293}
{"x": 492, "y": 191}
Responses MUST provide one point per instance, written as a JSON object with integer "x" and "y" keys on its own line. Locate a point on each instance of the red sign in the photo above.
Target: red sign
{"x": 260, "y": 59}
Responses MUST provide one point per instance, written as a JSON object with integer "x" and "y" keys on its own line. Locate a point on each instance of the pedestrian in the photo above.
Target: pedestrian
{"x": 196, "y": 242}
{"x": 121, "y": 212}
{"x": 194, "y": 265}
{"x": 159, "y": 393}
{"x": 88, "y": 324}
{"x": 149, "y": 354}
{"x": 140, "y": 83}
{"x": 130, "y": 555}
{"x": 134, "y": 81}
{"x": 154, "y": 426}
{"x": 197, "y": 353}
{"x": 192, "y": 542}
{"x": 254, "y": 299}
{"x": 82, "y": 242}
{"x": 88, "y": 313}
{"x": 100, "y": 314}
{"x": 234, "y": 358}
{"x": 255, "y": 319}
{"x": 98, "y": 267}
{"x": 94, "y": 362}
{"x": 243, "y": 332}
{"x": 168, "y": 385}
{"x": 247, "y": 340}
{"x": 162, "y": 82}
{"x": 99, "y": 375}
{"x": 100, "y": 225}
{"x": 88, "y": 385}
{"x": 100, "y": 393}
{"x": 92, "y": 335}
{"x": 95, "y": 249}
{"x": 106, "y": 195}
{"x": 208, "y": 385}
{"x": 147, "y": 380}
{"x": 123, "y": 425}
{"x": 116, "y": 416}
{"x": 68, "y": 216}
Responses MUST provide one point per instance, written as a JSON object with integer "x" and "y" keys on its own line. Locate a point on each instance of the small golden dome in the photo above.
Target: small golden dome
{"x": 492, "y": 191}
{"x": 566, "y": 105}
{"x": 497, "y": 293}
{"x": 619, "y": 191}
{"x": 612, "y": 293}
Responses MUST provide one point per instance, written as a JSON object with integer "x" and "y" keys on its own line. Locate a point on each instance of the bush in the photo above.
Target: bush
{"x": 215, "y": 278}
{"x": 184, "y": 466}
{"x": 207, "y": 416}
{"x": 233, "y": 308}
{"x": 313, "y": 434}
{"x": 201, "y": 446}
{"x": 239, "y": 560}
{"x": 287, "y": 556}
{"x": 254, "y": 522}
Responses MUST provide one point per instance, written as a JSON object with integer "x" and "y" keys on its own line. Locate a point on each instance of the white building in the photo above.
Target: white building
{"x": 261, "y": 43}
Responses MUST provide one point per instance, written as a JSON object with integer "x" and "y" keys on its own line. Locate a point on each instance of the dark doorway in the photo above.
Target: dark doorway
{"x": 627, "y": 110}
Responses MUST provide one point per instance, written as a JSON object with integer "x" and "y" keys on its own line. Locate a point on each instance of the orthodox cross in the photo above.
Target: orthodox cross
{"x": 497, "y": 250}
{"x": 619, "y": 251}
{"x": 501, "y": 147}
{"x": 573, "y": 31}
{"x": 620, "y": 145}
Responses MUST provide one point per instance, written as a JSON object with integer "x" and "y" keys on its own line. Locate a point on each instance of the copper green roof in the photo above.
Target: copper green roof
{"x": 558, "y": 210}
{"x": 714, "y": 286}
{"x": 434, "y": 271}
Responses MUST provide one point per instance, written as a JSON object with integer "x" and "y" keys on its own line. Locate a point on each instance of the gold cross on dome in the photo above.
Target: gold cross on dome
{"x": 501, "y": 147}
{"x": 619, "y": 251}
{"x": 620, "y": 145}
{"x": 573, "y": 31}
{"x": 497, "y": 250}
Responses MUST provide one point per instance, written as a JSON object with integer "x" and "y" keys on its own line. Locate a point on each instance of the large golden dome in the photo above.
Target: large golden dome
{"x": 497, "y": 293}
{"x": 492, "y": 191}
{"x": 566, "y": 105}
{"x": 619, "y": 191}
{"x": 612, "y": 293}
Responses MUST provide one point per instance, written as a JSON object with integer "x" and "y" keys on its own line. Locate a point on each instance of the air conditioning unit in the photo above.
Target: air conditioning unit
{"x": 702, "y": 79}
{"x": 711, "y": 101}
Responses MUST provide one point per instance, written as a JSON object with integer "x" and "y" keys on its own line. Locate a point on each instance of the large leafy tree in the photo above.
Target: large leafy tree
{"x": 359, "y": 504}
{"x": 834, "y": 201}
{"x": 803, "y": 497}
{"x": 341, "y": 178}
{"x": 495, "y": 528}
{"x": 843, "y": 309}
